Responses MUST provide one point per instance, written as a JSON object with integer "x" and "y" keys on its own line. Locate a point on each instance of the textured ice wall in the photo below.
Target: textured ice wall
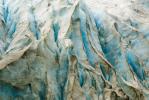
{"x": 74, "y": 50}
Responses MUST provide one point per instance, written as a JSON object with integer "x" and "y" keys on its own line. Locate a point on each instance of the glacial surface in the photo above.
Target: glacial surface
{"x": 74, "y": 50}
